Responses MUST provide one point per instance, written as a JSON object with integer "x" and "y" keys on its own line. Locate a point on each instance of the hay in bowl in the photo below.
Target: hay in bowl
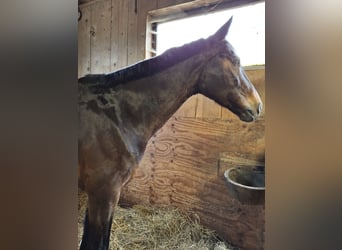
{"x": 246, "y": 184}
{"x": 142, "y": 227}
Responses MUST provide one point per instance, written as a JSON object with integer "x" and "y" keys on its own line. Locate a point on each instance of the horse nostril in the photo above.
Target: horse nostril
{"x": 250, "y": 112}
{"x": 259, "y": 108}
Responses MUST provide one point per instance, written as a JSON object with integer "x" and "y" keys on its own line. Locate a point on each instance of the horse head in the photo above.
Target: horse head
{"x": 224, "y": 80}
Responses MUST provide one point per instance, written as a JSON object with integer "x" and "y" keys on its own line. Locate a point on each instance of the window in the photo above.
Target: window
{"x": 247, "y": 33}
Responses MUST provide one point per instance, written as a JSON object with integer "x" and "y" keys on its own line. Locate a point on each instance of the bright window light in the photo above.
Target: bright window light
{"x": 246, "y": 34}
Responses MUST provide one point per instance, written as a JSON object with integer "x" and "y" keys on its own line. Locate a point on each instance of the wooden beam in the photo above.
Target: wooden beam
{"x": 193, "y": 8}
{"x": 85, "y": 3}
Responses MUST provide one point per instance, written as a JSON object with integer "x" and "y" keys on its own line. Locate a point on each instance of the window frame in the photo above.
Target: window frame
{"x": 185, "y": 10}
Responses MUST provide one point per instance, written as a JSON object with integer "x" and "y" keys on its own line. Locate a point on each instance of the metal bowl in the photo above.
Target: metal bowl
{"x": 246, "y": 184}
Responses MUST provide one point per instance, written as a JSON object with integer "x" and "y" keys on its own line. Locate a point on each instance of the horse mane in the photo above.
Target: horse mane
{"x": 146, "y": 67}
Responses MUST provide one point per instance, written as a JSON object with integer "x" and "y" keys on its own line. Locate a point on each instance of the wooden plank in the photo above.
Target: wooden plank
{"x": 167, "y": 3}
{"x": 180, "y": 169}
{"x": 199, "y": 106}
{"x": 86, "y": 3}
{"x": 226, "y": 114}
{"x": 207, "y": 108}
{"x": 119, "y": 31}
{"x": 84, "y": 42}
{"x": 182, "y": 8}
{"x": 100, "y": 37}
{"x": 235, "y": 158}
{"x": 188, "y": 109}
{"x": 132, "y": 33}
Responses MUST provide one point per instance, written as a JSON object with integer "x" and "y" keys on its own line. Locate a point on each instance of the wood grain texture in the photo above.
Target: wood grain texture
{"x": 84, "y": 42}
{"x": 188, "y": 109}
{"x": 207, "y": 108}
{"x": 180, "y": 169}
{"x": 100, "y": 37}
{"x": 119, "y": 37}
{"x": 166, "y": 3}
{"x": 132, "y": 33}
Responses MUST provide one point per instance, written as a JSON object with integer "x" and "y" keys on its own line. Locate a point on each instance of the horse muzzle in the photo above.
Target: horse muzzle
{"x": 251, "y": 114}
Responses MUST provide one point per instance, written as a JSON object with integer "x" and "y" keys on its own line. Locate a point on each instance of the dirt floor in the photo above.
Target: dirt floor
{"x": 148, "y": 228}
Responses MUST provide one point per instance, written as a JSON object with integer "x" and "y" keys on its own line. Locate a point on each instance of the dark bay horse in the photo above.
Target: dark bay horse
{"x": 120, "y": 111}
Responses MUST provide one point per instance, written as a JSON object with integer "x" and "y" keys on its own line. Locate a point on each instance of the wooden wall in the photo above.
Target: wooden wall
{"x": 112, "y": 33}
{"x": 179, "y": 167}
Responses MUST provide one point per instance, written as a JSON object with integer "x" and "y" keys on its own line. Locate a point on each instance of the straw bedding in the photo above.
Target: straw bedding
{"x": 148, "y": 228}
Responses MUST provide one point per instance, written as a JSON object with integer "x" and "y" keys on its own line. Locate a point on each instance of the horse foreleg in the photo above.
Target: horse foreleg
{"x": 98, "y": 222}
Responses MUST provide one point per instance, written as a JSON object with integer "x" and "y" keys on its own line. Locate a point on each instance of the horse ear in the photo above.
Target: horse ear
{"x": 223, "y": 31}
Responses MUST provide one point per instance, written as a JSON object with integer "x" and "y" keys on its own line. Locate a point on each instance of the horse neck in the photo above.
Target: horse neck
{"x": 149, "y": 102}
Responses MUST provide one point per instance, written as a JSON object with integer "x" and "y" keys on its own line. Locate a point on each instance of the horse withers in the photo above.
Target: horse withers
{"x": 119, "y": 112}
